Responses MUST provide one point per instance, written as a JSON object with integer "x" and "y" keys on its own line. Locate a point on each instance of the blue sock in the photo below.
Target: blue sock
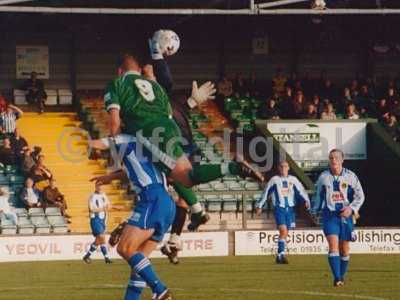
{"x": 281, "y": 247}
{"x": 92, "y": 248}
{"x": 103, "y": 249}
{"x": 135, "y": 287}
{"x": 334, "y": 262}
{"x": 142, "y": 266}
{"x": 344, "y": 265}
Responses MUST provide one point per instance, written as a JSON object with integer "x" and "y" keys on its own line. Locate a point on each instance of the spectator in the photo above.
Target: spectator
{"x": 392, "y": 127}
{"x": 328, "y": 113}
{"x": 285, "y": 104}
{"x": 372, "y": 87}
{"x": 53, "y": 198}
{"x": 27, "y": 161}
{"x": 30, "y": 196}
{"x": 279, "y": 82}
{"x": 45, "y": 171}
{"x": 6, "y": 212}
{"x": 392, "y": 97}
{"x": 253, "y": 85}
{"x": 9, "y": 119}
{"x": 35, "y": 91}
{"x": 239, "y": 86}
{"x": 311, "y": 112}
{"x": 7, "y": 156}
{"x": 351, "y": 112}
{"x": 364, "y": 101}
{"x": 36, "y": 153}
{"x": 345, "y": 100}
{"x": 382, "y": 110}
{"x": 39, "y": 177}
{"x": 354, "y": 89}
{"x": 270, "y": 111}
{"x": 328, "y": 91}
{"x": 224, "y": 87}
{"x": 18, "y": 144}
{"x": 298, "y": 105}
{"x": 292, "y": 80}
{"x": 319, "y": 106}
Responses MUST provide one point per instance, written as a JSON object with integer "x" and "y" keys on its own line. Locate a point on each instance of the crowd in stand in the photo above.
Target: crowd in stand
{"x": 39, "y": 189}
{"x": 307, "y": 98}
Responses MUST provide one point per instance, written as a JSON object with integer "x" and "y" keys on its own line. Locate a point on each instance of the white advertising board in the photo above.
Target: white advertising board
{"x": 369, "y": 241}
{"x": 32, "y": 58}
{"x": 312, "y": 141}
{"x": 70, "y": 247}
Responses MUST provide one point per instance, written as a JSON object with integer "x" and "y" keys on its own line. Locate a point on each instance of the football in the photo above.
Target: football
{"x": 168, "y": 41}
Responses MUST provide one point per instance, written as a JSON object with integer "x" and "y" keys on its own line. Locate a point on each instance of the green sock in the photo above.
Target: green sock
{"x": 185, "y": 193}
{"x": 206, "y": 173}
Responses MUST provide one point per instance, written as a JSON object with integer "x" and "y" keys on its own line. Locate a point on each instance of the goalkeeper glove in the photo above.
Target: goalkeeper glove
{"x": 155, "y": 50}
{"x": 201, "y": 94}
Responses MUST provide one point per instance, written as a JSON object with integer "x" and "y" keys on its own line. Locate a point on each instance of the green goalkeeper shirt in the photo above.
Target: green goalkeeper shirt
{"x": 141, "y": 102}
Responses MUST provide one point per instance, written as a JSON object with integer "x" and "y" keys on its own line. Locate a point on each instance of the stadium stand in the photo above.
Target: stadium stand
{"x": 63, "y": 143}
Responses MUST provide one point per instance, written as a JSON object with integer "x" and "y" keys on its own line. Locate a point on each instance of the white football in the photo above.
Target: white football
{"x": 168, "y": 41}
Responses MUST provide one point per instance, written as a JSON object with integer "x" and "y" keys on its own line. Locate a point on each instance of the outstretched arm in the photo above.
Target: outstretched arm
{"x": 16, "y": 109}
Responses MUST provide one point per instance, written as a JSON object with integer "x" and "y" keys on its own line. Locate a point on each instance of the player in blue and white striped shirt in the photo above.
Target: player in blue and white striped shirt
{"x": 338, "y": 196}
{"x": 8, "y": 119}
{"x": 98, "y": 207}
{"x": 153, "y": 214}
{"x": 285, "y": 190}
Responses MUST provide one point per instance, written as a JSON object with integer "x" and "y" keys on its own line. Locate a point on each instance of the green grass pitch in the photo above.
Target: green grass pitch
{"x": 371, "y": 277}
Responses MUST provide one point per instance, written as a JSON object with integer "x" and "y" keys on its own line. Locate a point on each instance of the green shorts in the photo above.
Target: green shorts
{"x": 164, "y": 140}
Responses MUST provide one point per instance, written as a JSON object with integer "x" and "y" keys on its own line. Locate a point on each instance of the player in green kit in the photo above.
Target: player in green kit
{"x": 144, "y": 108}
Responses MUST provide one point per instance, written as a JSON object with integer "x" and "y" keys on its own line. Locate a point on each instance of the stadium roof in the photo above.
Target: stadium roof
{"x": 200, "y": 7}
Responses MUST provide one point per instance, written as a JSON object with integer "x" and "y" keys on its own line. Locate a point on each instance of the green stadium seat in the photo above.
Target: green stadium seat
{"x": 36, "y": 212}
{"x": 235, "y": 186}
{"x": 8, "y": 227}
{"x": 58, "y": 224}
{"x": 229, "y": 203}
{"x": 205, "y": 187}
{"x": 41, "y": 224}
{"x": 249, "y": 203}
{"x": 213, "y": 203}
{"x": 17, "y": 180}
{"x": 53, "y": 211}
{"x": 11, "y": 170}
{"x": 25, "y": 226}
{"x": 220, "y": 187}
{"x": 252, "y": 186}
{"x": 21, "y": 212}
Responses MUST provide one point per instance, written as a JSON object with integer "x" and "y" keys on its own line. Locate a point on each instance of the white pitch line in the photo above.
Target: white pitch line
{"x": 265, "y": 291}
{"x": 308, "y": 293}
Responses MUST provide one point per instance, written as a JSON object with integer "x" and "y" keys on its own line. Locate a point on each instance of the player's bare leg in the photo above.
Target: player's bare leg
{"x": 100, "y": 241}
{"x": 173, "y": 246}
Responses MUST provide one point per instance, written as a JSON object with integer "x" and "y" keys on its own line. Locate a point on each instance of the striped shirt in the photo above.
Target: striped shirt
{"x": 98, "y": 200}
{"x": 336, "y": 192}
{"x": 137, "y": 162}
{"x": 285, "y": 192}
{"x": 9, "y": 121}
